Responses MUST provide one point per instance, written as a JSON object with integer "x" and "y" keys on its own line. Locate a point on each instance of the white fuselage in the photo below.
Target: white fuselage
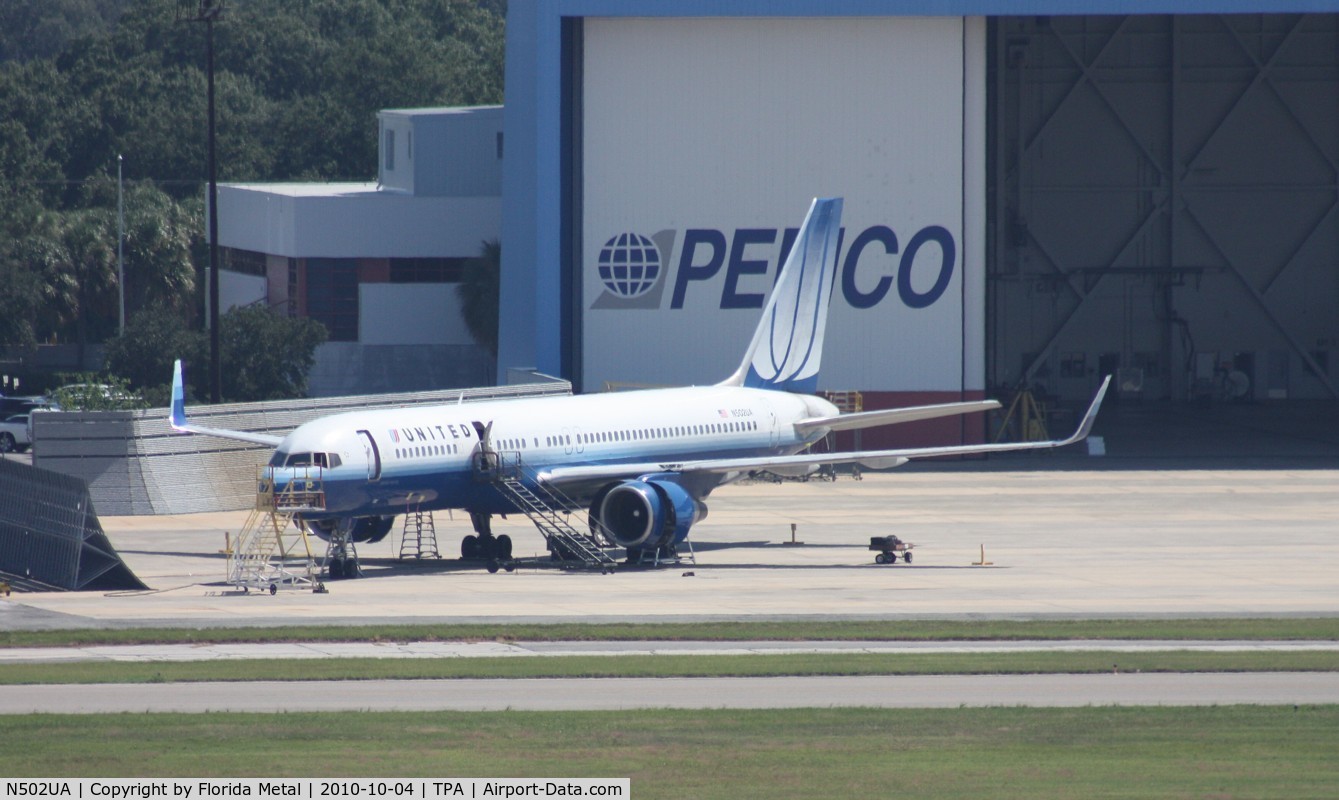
{"x": 381, "y": 462}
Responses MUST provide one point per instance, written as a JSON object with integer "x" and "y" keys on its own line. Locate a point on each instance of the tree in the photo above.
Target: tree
{"x": 159, "y": 235}
{"x": 154, "y": 338}
{"x": 88, "y": 391}
{"x": 18, "y": 302}
{"x": 22, "y": 292}
{"x": 82, "y": 277}
{"x": 41, "y": 30}
{"x": 479, "y": 295}
{"x": 265, "y": 356}
{"x": 299, "y": 85}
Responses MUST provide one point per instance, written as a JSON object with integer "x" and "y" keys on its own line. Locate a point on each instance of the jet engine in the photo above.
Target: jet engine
{"x": 648, "y": 513}
{"x": 365, "y": 529}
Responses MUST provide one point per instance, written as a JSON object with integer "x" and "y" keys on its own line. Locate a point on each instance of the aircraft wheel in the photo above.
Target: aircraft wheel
{"x": 469, "y": 547}
{"x": 273, "y": 590}
{"x": 880, "y": 559}
{"x": 907, "y": 556}
{"x": 892, "y": 558}
{"x": 510, "y": 566}
{"x": 502, "y": 549}
{"x": 492, "y": 567}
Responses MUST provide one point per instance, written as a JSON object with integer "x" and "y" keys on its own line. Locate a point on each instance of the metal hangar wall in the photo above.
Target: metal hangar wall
{"x": 1148, "y": 194}
{"x": 1164, "y": 203}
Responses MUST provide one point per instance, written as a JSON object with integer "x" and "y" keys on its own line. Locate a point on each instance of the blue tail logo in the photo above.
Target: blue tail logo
{"x": 178, "y": 415}
{"x": 787, "y": 347}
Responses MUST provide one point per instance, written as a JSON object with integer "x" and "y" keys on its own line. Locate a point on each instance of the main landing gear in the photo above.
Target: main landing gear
{"x": 495, "y": 550}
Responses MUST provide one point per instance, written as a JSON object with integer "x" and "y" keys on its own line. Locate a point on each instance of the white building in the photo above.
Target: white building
{"x": 377, "y": 263}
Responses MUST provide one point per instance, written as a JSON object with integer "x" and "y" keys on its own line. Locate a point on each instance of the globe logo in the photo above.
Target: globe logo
{"x": 629, "y": 265}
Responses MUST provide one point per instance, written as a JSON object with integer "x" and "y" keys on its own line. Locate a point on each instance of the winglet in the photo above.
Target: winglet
{"x": 1086, "y": 424}
{"x": 177, "y": 418}
{"x": 178, "y": 415}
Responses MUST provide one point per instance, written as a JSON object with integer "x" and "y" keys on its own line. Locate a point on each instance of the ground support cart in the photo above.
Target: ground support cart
{"x": 888, "y": 548}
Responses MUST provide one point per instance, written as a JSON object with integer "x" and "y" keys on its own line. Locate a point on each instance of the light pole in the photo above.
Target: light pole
{"x": 209, "y": 11}
{"x": 120, "y": 250}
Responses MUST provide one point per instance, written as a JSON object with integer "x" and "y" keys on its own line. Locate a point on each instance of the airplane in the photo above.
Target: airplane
{"x": 640, "y": 462}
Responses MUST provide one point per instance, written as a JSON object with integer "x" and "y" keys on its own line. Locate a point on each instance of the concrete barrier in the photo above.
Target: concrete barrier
{"x": 135, "y": 464}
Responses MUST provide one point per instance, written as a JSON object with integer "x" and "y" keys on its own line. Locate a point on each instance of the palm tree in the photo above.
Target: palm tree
{"x": 81, "y": 277}
{"x": 159, "y": 232}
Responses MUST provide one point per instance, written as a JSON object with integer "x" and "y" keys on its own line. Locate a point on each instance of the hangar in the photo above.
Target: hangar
{"x": 1033, "y": 196}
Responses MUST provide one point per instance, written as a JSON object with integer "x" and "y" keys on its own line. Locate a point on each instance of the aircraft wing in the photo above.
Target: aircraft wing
{"x": 890, "y": 416}
{"x": 178, "y": 420}
{"x": 874, "y": 459}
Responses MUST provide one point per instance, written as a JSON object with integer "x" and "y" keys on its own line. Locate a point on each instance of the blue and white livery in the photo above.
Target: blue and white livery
{"x": 787, "y": 348}
{"x": 642, "y": 462}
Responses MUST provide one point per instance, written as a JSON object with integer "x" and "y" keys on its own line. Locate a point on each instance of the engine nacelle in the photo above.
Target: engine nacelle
{"x": 365, "y": 529}
{"x": 646, "y": 514}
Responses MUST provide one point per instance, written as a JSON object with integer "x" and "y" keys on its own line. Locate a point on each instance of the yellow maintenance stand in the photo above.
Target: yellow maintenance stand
{"x": 272, "y": 551}
{"x": 1030, "y": 414}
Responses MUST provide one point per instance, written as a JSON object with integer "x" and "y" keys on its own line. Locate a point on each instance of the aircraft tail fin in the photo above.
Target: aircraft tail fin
{"x": 787, "y": 347}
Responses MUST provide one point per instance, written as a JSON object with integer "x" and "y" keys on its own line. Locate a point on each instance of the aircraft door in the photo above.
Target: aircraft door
{"x": 373, "y": 456}
{"x": 486, "y": 461}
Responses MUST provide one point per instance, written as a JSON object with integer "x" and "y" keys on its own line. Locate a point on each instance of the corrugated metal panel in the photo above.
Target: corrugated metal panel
{"x": 135, "y": 464}
{"x": 49, "y": 532}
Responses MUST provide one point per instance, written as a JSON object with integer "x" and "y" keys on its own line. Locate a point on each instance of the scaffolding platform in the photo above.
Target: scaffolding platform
{"x": 272, "y": 550}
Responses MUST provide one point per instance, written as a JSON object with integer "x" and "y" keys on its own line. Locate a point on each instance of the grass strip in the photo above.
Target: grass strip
{"x": 670, "y": 665}
{"x": 1231, "y": 751}
{"x": 1297, "y": 628}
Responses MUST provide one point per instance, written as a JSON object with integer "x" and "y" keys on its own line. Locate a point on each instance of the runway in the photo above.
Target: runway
{"x": 569, "y": 694}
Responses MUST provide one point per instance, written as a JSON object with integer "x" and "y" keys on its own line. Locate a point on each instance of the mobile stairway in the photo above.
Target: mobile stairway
{"x": 549, "y": 510}
{"x": 261, "y": 558}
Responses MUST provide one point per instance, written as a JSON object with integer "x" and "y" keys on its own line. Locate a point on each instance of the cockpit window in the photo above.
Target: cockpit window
{"x": 327, "y": 460}
{"x": 285, "y": 459}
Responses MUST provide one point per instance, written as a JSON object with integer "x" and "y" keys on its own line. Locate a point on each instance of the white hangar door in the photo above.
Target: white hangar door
{"x": 702, "y": 143}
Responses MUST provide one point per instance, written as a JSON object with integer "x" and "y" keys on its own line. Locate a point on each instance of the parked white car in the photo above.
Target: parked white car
{"x": 16, "y": 434}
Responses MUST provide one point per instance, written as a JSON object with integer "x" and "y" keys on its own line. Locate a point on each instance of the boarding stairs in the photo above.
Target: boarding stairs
{"x": 549, "y": 510}
{"x": 271, "y": 551}
{"x": 565, "y": 541}
{"x": 418, "y": 536}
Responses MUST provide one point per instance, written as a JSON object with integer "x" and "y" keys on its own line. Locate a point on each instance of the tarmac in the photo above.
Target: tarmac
{"x": 1187, "y": 515}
